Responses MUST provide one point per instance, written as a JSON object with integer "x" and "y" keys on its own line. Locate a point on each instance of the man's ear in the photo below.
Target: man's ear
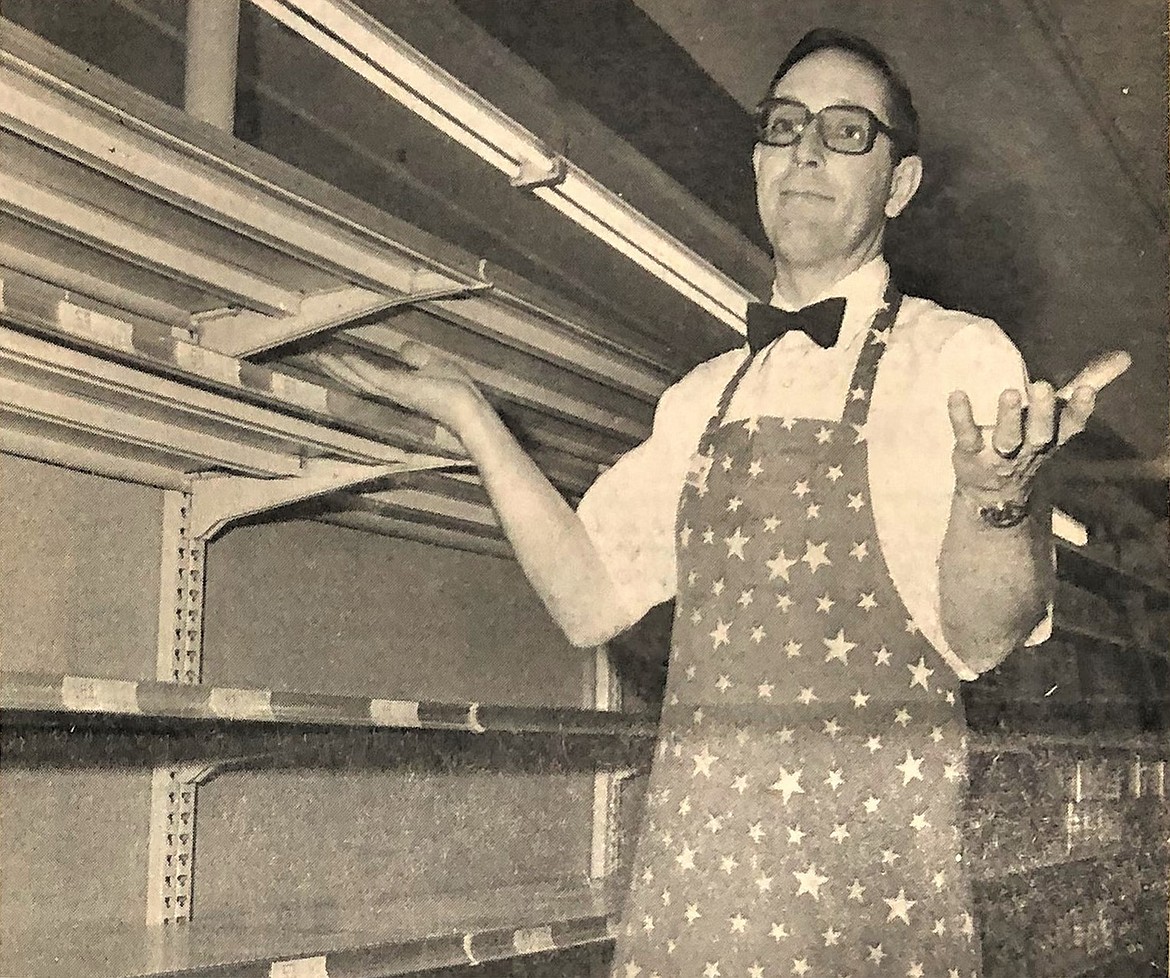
{"x": 904, "y": 184}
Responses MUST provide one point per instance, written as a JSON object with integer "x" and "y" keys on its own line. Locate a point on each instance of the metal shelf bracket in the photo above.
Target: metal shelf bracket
{"x": 217, "y": 500}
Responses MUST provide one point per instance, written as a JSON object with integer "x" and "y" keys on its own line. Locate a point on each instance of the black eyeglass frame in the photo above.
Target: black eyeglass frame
{"x": 876, "y": 125}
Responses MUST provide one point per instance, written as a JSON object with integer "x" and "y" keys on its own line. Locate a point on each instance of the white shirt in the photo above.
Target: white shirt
{"x": 630, "y": 510}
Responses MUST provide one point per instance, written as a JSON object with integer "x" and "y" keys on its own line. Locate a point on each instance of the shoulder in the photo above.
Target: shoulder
{"x": 929, "y": 327}
{"x": 940, "y": 350}
{"x": 695, "y": 395}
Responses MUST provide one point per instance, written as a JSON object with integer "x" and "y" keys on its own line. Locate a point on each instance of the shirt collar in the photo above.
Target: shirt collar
{"x": 863, "y": 290}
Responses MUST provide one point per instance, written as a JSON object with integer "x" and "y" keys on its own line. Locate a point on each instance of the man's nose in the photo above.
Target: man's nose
{"x": 810, "y": 148}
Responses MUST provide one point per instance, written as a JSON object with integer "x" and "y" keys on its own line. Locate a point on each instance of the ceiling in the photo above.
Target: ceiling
{"x": 1044, "y": 142}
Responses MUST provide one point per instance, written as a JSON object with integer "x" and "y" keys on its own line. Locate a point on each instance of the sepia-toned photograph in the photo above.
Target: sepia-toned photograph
{"x": 584, "y": 489}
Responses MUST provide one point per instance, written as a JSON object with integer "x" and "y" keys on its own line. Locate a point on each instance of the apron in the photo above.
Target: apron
{"x": 803, "y": 807}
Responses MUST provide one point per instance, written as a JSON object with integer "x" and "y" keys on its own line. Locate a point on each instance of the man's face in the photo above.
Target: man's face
{"x": 818, "y": 206}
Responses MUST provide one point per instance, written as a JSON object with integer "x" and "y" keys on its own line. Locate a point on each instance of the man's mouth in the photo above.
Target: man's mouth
{"x": 804, "y": 193}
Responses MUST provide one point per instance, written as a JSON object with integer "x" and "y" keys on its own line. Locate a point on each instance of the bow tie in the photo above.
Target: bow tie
{"x": 821, "y": 321}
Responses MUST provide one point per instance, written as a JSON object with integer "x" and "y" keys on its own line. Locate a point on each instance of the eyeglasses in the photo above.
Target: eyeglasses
{"x": 848, "y": 129}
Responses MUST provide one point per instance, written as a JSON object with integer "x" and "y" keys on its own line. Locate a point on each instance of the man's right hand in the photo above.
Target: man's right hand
{"x": 430, "y": 384}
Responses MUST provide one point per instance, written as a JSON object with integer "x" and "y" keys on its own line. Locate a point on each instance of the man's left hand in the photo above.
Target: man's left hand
{"x": 998, "y": 465}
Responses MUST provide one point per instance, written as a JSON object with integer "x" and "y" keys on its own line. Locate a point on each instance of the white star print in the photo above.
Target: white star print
{"x": 735, "y": 544}
{"x": 834, "y": 473}
{"x": 871, "y": 804}
{"x": 764, "y": 690}
{"x": 733, "y": 504}
{"x": 717, "y": 587}
{"x": 857, "y": 394}
{"x": 724, "y": 684}
{"x": 684, "y": 535}
{"x": 633, "y": 970}
{"x": 778, "y": 932}
{"x": 720, "y": 635}
{"x": 799, "y": 966}
{"x": 811, "y": 882}
{"x": 801, "y": 489}
{"x": 824, "y": 435}
{"x": 709, "y": 535}
{"x": 968, "y": 927}
{"x": 874, "y": 744}
{"x": 940, "y": 927}
{"x": 813, "y": 512}
{"x": 795, "y": 835}
{"x": 952, "y": 772}
{"x": 856, "y": 891}
{"x": 755, "y": 971}
{"x": 835, "y": 780}
{"x": 740, "y": 784}
{"x": 807, "y": 695}
{"x": 919, "y": 822}
{"x": 838, "y": 647}
{"x": 824, "y": 603}
{"x": 728, "y": 864}
{"x": 881, "y": 657}
{"x": 936, "y": 734}
{"x": 831, "y": 937}
{"x": 714, "y": 823}
{"x": 712, "y": 970}
{"x": 770, "y": 524}
{"x": 756, "y": 468}
{"x": 880, "y": 335}
{"x": 899, "y": 907}
{"x": 728, "y": 462}
{"x": 751, "y": 425}
{"x": 832, "y": 728}
{"x": 696, "y": 616}
{"x": 785, "y": 735}
{"x": 692, "y": 913}
{"x": 903, "y": 717}
{"x": 783, "y": 602}
{"x": 756, "y": 831}
{"x": 647, "y": 923}
{"x": 746, "y": 597}
{"x": 758, "y": 634}
{"x": 691, "y": 672}
{"x": 856, "y": 501}
{"x": 860, "y": 550}
{"x": 788, "y": 783}
{"x": 684, "y": 808}
{"x": 814, "y": 556}
{"x": 889, "y": 857}
{"x": 860, "y": 699}
{"x": 788, "y": 423}
{"x": 915, "y": 970}
{"x": 860, "y": 432}
{"x": 920, "y": 674}
{"x": 911, "y": 626}
{"x": 666, "y": 898}
{"x": 911, "y": 768}
{"x": 840, "y": 833}
{"x": 876, "y": 954}
{"x": 779, "y": 566}
{"x": 792, "y": 648}
{"x": 738, "y": 923}
{"x": 697, "y": 717}
{"x": 686, "y": 858}
{"x": 703, "y": 762}
{"x": 939, "y": 879}
{"x": 764, "y": 884}
{"x": 867, "y": 602}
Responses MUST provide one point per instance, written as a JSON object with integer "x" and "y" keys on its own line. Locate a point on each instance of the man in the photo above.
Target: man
{"x": 837, "y": 569}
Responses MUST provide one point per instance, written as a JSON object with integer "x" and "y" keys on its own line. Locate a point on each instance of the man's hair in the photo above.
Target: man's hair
{"x": 903, "y": 116}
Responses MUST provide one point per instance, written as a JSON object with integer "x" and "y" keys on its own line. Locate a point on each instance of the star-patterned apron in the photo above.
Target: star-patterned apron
{"x": 803, "y": 807}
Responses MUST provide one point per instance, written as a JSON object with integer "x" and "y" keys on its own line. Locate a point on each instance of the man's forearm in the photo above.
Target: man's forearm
{"x": 546, "y": 535}
{"x": 994, "y": 583}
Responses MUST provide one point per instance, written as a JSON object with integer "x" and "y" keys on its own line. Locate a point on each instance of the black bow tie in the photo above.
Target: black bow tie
{"x": 821, "y": 321}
